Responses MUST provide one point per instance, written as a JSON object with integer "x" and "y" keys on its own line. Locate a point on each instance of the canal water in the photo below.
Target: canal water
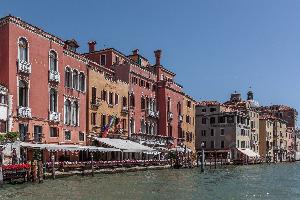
{"x": 275, "y": 181}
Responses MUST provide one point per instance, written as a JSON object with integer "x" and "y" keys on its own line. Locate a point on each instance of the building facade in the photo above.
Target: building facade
{"x": 266, "y": 145}
{"x": 4, "y": 109}
{"x": 46, "y": 81}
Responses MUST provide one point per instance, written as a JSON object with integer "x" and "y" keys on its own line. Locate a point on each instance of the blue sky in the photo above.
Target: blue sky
{"x": 214, "y": 46}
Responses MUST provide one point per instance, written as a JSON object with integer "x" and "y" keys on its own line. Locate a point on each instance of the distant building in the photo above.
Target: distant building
{"x": 4, "y": 109}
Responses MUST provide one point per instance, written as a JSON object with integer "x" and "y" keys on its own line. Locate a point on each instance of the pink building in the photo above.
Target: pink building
{"x": 46, "y": 82}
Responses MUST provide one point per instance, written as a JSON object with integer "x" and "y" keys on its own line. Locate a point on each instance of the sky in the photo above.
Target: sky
{"x": 215, "y": 47}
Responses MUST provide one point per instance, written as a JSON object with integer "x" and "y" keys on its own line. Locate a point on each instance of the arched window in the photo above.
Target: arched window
{"x": 23, "y": 49}
{"x": 75, "y": 113}
{"x": 53, "y": 61}
{"x": 75, "y": 79}
{"x": 68, "y": 77}
{"x": 67, "y": 109}
{"x": 23, "y": 94}
{"x": 132, "y": 100}
{"x": 82, "y": 82}
{"x": 53, "y": 100}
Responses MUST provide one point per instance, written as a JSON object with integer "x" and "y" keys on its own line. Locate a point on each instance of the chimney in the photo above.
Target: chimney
{"x": 157, "y": 54}
{"x": 92, "y": 46}
{"x": 135, "y": 52}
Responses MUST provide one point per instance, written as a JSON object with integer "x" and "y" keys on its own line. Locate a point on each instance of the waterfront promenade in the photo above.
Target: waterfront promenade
{"x": 265, "y": 181}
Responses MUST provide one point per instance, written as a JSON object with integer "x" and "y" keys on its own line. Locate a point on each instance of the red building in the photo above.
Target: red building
{"x": 46, "y": 82}
{"x": 155, "y": 100}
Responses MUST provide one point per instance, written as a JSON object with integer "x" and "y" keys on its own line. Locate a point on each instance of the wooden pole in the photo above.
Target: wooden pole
{"x": 215, "y": 159}
{"x": 92, "y": 158}
{"x": 202, "y": 160}
{"x": 1, "y": 176}
{"x": 53, "y": 166}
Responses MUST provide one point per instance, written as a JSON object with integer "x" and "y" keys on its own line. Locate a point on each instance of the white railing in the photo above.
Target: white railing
{"x": 54, "y": 76}
{"x": 54, "y": 116}
{"x": 125, "y": 109}
{"x": 24, "y": 66}
{"x": 180, "y": 118}
{"x": 170, "y": 115}
{"x": 24, "y": 112}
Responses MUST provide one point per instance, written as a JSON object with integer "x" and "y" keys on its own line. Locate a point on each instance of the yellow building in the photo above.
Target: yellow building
{"x": 107, "y": 104}
{"x": 280, "y": 140}
{"x": 187, "y": 119}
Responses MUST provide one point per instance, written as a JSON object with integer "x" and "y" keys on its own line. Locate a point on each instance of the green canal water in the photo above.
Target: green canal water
{"x": 280, "y": 181}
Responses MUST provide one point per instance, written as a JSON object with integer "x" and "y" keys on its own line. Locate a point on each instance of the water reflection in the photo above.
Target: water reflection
{"x": 281, "y": 181}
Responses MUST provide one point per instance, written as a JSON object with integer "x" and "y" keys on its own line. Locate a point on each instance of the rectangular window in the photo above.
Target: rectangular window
{"x": 53, "y": 132}
{"x": 81, "y": 136}
{"x": 188, "y": 119}
{"x": 203, "y": 110}
{"x": 221, "y": 119}
{"x": 222, "y": 144}
{"x": 37, "y": 133}
{"x": 212, "y": 144}
{"x": 93, "y": 118}
{"x": 67, "y": 135}
{"x": 222, "y": 132}
{"x": 212, "y": 132}
{"x": 124, "y": 101}
{"x": 204, "y": 144}
{"x": 110, "y": 99}
{"x": 212, "y": 109}
{"x": 189, "y": 104}
{"x": 124, "y": 124}
{"x": 116, "y": 99}
{"x": 203, "y": 120}
{"x": 104, "y": 95}
{"x": 243, "y": 144}
{"x": 94, "y": 94}
{"x": 103, "y": 59}
{"x": 203, "y": 133}
{"x": 212, "y": 120}
{"x": 103, "y": 120}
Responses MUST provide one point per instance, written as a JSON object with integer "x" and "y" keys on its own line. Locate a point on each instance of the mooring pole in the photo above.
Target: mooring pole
{"x": 92, "y": 158}
{"x": 53, "y": 166}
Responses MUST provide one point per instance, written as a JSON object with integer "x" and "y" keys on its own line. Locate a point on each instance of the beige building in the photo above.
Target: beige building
{"x": 107, "y": 103}
{"x": 280, "y": 140}
{"x": 266, "y": 145}
{"x": 187, "y": 119}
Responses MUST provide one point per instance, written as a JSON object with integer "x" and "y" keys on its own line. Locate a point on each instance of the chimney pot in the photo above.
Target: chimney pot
{"x": 135, "y": 51}
{"x": 157, "y": 54}
{"x": 92, "y": 46}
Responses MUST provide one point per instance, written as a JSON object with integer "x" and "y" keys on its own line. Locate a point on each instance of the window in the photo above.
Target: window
{"x": 212, "y": 132}
{"x": 116, "y": 99}
{"x": 68, "y": 77}
{"x": 222, "y": 144}
{"x": 204, "y": 144}
{"x": 81, "y": 136}
{"x": 75, "y": 79}
{"x": 212, "y": 109}
{"x": 23, "y": 50}
{"x": 67, "y": 113}
{"x": 104, "y": 95}
{"x": 3, "y": 99}
{"x": 189, "y": 104}
{"x": 23, "y": 94}
{"x": 222, "y": 132}
{"x": 169, "y": 104}
{"x": 53, "y": 61}
{"x": 203, "y": 133}
{"x": 93, "y": 118}
{"x": 143, "y": 103}
{"x": 94, "y": 95}
{"x": 203, "y": 120}
{"x": 124, "y": 101}
{"x": 75, "y": 113}
{"x": 124, "y": 124}
{"x": 147, "y": 85}
{"x": 212, "y": 144}
{"x": 53, "y": 100}
{"x": 203, "y": 110}
{"x": 110, "y": 98}
{"x": 212, "y": 120}
{"x": 243, "y": 144}
{"x": 2, "y": 126}
{"x": 188, "y": 119}
{"x": 53, "y": 132}
{"x": 221, "y": 119}
{"x": 103, "y": 59}
{"x": 103, "y": 120}
{"x": 230, "y": 119}
{"x": 132, "y": 100}
{"x": 179, "y": 108}
{"x": 81, "y": 82}
{"x": 67, "y": 135}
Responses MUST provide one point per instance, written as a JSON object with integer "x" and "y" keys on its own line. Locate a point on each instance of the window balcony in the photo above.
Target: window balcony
{"x": 54, "y": 76}
{"x": 125, "y": 109}
{"x": 95, "y": 103}
{"x": 24, "y": 66}
{"x": 24, "y": 112}
{"x": 151, "y": 113}
{"x": 180, "y": 118}
{"x": 54, "y": 116}
{"x": 170, "y": 116}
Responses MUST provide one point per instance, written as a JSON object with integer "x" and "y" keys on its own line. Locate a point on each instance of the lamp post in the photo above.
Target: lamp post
{"x": 202, "y": 157}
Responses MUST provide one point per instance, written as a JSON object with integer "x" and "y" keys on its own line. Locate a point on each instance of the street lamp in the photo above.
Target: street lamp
{"x": 202, "y": 157}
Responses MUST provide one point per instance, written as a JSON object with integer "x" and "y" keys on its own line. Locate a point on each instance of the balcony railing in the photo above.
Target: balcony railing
{"x": 170, "y": 116}
{"x": 54, "y": 116}
{"x": 24, "y": 112}
{"x": 125, "y": 109}
{"x": 54, "y": 76}
{"x": 180, "y": 118}
{"x": 95, "y": 103}
{"x": 24, "y": 66}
